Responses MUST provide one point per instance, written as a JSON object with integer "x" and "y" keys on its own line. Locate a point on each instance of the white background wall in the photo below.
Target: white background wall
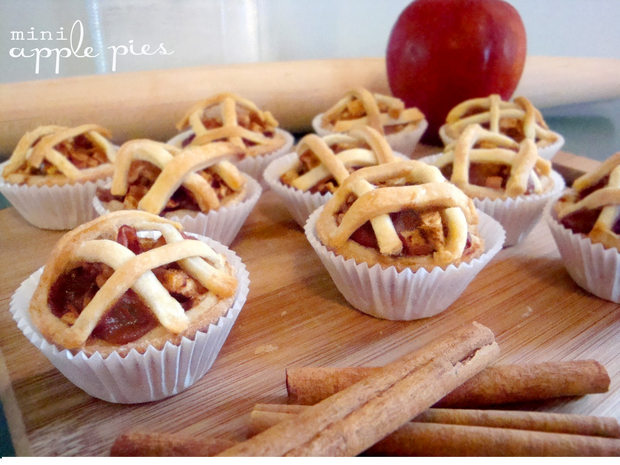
{"x": 240, "y": 31}
{"x": 199, "y": 32}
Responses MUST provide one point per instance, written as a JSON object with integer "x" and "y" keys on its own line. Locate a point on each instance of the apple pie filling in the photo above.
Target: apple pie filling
{"x": 129, "y": 318}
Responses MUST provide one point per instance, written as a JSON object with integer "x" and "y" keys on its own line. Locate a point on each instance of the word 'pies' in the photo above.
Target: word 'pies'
{"x": 228, "y": 117}
{"x": 164, "y": 180}
{"x": 325, "y": 162}
{"x": 592, "y": 206}
{"x": 484, "y": 164}
{"x": 518, "y": 119}
{"x": 57, "y": 155}
{"x": 130, "y": 280}
{"x": 401, "y": 214}
{"x": 384, "y": 113}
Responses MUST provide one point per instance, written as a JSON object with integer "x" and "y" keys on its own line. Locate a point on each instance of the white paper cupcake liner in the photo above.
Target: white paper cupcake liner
{"x": 405, "y": 295}
{"x": 547, "y": 152}
{"x": 222, "y": 224}
{"x": 592, "y": 266}
{"x": 404, "y": 142}
{"x": 137, "y": 378}
{"x": 254, "y": 166}
{"x": 517, "y": 216}
{"x": 57, "y": 207}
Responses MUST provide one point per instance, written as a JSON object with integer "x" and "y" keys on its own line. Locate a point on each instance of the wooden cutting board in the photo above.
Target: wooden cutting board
{"x": 149, "y": 103}
{"x": 295, "y": 316}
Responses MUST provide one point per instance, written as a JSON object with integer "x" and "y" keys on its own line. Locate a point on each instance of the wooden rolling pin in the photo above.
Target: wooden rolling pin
{"x": 149, "y": 103}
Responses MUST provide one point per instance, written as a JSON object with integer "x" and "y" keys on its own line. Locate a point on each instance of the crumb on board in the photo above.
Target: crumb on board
{"x": 265, "y": 349}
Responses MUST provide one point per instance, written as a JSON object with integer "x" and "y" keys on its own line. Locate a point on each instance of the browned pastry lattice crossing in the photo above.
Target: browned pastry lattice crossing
{"x": 485, "y": 164}
{"x": 229, "y": 117}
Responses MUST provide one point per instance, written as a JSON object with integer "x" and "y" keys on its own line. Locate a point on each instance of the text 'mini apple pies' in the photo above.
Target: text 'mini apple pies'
{"x": 384, "y": 113}
{"x": 518, "y": 120}
{"x": 324, "y": 163}
{"x": 592, "y": 206}
{"x": 58, "y": 155}
{"x": 229, "y": 117}
{"x": 485, "y": 164}
{"x": 164, "y": 180}
{"x": 130, "y": 280}
{"x": 401, "y": 214}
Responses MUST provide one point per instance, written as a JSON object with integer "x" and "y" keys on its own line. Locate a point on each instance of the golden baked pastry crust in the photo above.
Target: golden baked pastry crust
{"x": 325, "y": 162}
{"x": 418, "y": 219}
{"x": 484, "y": 164}
{"x": 383, "y": 113}
{"x": 592, "y": 205}
{"x": 97, "y": 242}
{"x": 518, "y": 119}
{"x": 148, "y": 174}
{"x": 57, "y": 155}
{"x": 228, "y": 117}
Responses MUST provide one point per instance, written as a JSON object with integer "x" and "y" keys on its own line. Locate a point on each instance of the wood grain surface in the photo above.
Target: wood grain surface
{"x": 295, "y": 316}
{"x": 149, "y": 103}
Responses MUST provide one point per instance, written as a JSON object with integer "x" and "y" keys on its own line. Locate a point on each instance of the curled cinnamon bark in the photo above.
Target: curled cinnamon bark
{"x": 354, "y": 419}
{"x": 264, "y": 416}
{"x": 498, "y": 384}
{"x": 135, "y": 444}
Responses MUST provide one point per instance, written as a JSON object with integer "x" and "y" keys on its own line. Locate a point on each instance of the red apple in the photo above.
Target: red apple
{"x": 442, "y": 52}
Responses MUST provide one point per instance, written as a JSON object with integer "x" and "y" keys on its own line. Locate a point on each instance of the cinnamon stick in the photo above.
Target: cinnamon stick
{"x": 134, "y": 444}
{"x": 441, "y": 440}
{"x": 352, "y": 420}
{"x": 498, "y": 384}
{"x": 422, "y": 436}
{"x": 264, "y": 416}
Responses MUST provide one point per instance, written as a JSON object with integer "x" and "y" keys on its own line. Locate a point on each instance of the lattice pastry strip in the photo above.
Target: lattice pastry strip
{"x": 386, "y": 189}
{"x": 339, "y": 165}
{"x": 361, "y": 107}
{"x": 40, "y": 145}
{"x": 522, "y": 160}
{"x": 93, "y": 243}
{"x": 499, "y": 115}
{"x": 228, "y": 109}
{"x": 179, "y": 167}
{"x": 604, "y": 184}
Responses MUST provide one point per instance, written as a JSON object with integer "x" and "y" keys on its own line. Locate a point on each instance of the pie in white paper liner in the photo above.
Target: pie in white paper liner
{"x": 592, "y": 266}
{"x": 137, "y": 378}
{"x": 388, "y": 294}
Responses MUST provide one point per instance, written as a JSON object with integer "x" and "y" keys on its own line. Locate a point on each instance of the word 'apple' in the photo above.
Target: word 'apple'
{"x": 442, "y": 52}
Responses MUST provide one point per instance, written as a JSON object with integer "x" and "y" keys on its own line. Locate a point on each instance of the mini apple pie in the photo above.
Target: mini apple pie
{"x": 57, "y": 155}
{"x": 228, "y": 117}
{"x": 401, "y": 214}
{"x": 164, "y": 180}
{"x": 384, "y": 113}
{"x": 592, "y": 206}
{"x": 130, "y": 280}
{"x": 485, "y": 164}
{"x": 324, "y": 163}
{"x": 518, "y": 120}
